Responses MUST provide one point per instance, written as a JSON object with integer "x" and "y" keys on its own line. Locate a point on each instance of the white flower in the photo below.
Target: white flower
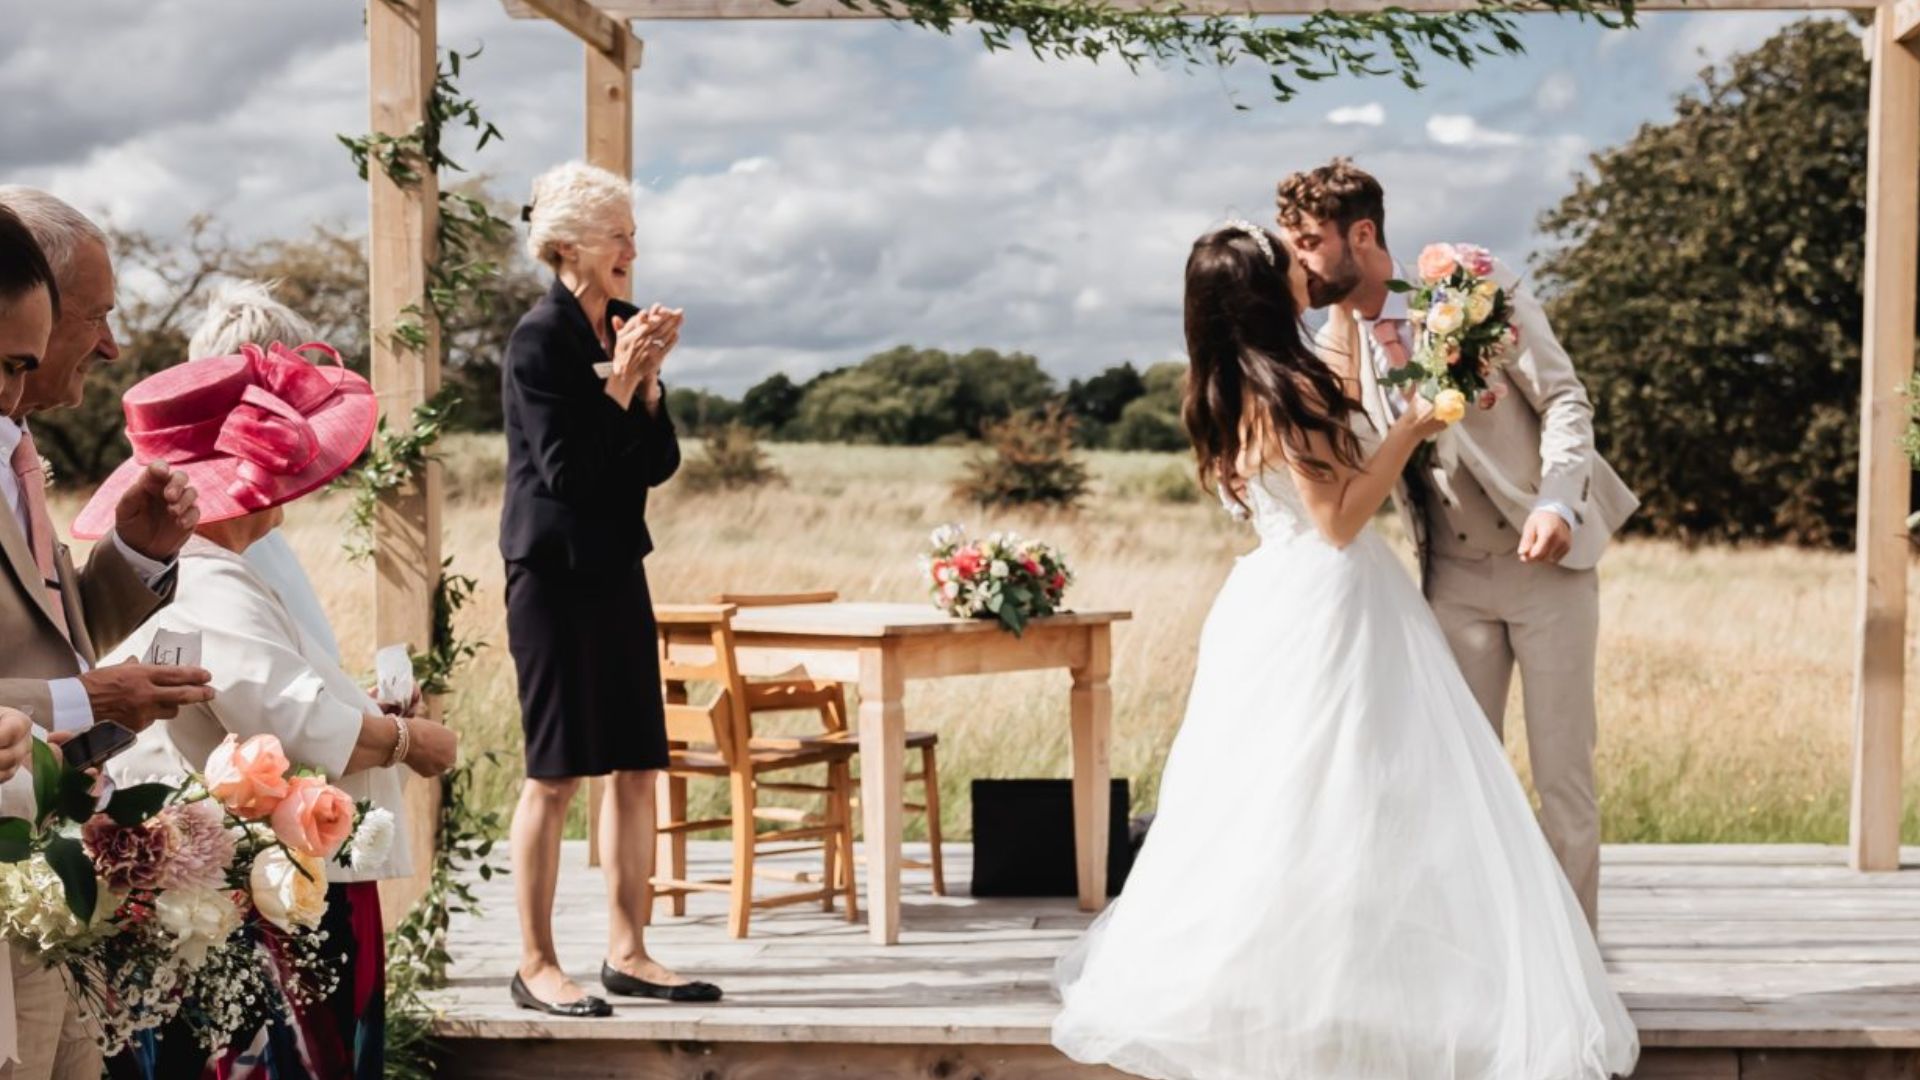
{"x": 198, "y": 919}
{"x": 285, "y": 895}
{"x": 947, "y": 535}
{"x": 1444, "y": 319}
{"x": 373, "y": 840}
{"x": 999, "y": 568}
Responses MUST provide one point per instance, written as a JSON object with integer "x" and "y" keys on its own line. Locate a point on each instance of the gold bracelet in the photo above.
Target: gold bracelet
{"x": 403, "y": 742}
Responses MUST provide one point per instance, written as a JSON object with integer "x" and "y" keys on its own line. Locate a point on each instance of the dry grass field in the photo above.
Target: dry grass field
{"x": 1724, "y": 673}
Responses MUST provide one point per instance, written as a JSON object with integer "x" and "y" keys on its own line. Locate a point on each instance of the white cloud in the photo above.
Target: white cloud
{"x": 1702, "y": 39}
{"x": 1558, "y": 93}
{"x": 1372, "y": 114}
{"x": 1458, "y": 129}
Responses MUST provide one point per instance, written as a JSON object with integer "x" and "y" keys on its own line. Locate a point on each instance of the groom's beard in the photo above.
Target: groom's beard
{"x": 1327, "y": 291}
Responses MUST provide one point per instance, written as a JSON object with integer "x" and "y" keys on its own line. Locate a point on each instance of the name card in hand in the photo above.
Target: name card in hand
{"x": 394, "y": 688}
{"x": 174, "y": 648}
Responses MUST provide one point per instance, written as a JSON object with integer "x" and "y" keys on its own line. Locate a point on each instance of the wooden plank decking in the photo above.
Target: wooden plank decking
{"x": 1737, "y": 962}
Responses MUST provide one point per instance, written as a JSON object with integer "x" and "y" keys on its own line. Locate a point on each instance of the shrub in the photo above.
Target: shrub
{"x": 1029, "y": 460}
{"x": 733, "y": 460}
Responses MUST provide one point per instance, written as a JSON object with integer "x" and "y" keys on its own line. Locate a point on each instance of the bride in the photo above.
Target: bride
{"x": 1344, "y": 880}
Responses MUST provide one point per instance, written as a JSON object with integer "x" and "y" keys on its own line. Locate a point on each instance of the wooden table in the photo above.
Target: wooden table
{"x": 879, "y": 647}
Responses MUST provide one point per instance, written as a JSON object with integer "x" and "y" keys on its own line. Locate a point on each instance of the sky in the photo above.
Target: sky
{"x": 814, "y": 192}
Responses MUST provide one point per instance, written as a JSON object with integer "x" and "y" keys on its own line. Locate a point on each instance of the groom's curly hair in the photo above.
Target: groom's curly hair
{"x": 1339, "y": 191}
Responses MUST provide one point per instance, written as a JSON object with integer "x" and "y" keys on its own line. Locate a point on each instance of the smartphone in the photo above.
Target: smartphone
{"x": 94, "y": 746}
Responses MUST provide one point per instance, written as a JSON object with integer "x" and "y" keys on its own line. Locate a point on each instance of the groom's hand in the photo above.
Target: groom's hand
{"x": 1546, "y": 538}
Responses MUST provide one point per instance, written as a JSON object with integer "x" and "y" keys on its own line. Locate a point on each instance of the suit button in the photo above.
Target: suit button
{"x": 1463, "y": 538}
{"x": 1502, "y": 523}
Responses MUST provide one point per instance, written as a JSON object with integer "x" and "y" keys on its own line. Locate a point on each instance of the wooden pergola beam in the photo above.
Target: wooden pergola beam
{"x": 1906, "y": 20}
{"x": 834, "y": 9}
{"x": 602, "y": 32}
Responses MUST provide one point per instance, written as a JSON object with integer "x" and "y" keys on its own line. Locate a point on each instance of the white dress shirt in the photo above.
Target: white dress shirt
{"x": 72, "y": 709}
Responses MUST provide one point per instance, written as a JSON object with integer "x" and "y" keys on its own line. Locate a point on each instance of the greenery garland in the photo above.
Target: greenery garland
{"x": 417, "y": 956}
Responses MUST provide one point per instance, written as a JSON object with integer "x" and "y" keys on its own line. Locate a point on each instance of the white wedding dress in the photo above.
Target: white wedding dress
{"x": 1344, "y": 879}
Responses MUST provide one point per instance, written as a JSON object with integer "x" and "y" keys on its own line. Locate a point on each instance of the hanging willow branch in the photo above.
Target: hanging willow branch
{"x": 1391, "y": 42}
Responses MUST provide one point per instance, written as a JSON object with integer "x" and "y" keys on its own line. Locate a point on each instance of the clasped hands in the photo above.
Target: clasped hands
{"x": 640, "y": 347}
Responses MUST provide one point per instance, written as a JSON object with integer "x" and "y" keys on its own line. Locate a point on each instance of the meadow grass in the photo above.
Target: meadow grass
{"x": 1725, "y": 674}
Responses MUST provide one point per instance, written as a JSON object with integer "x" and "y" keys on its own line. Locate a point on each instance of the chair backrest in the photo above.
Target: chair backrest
{"x": 824, "y": 596}
{"x": 723, "y": 721}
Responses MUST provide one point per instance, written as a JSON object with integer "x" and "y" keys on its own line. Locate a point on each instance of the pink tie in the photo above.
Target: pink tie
{"x": 1386, "y": 333}
{"x": 33, "y": 493}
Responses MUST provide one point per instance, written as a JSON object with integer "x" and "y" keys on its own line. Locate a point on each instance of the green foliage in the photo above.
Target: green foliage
{"x": 1173, "y": 485}
{"x": 1152, "y": 421}
{"x": 700, "y": 412}
{"x": 1096, "y": 403}
{"x": 914, "y": 397}
{"x": 771, "y": 404}
{"x": 1392, "y": 41}
{"x": 1708, "y": 287}
{"x": 1029, "y": 460}
{"x": 394, "y": 460}
{"x": 733, "y": 460}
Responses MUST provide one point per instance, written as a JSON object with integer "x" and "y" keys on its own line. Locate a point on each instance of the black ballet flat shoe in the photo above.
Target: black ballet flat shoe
{"x": 585, "y": 1007}
{"x": 619, "y": 982}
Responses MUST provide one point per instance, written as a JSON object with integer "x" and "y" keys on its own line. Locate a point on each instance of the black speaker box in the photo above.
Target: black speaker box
{"x": 1023, "y": 838}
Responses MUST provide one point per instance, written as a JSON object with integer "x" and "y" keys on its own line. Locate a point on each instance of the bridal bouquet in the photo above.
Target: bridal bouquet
{"x": 201, "y": 900}
{"x": 1464, "y": 330}
{"x": 1003, "y": 577}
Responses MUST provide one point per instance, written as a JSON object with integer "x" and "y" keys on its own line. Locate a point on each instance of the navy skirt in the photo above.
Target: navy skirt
{"x": 587, "y": 654}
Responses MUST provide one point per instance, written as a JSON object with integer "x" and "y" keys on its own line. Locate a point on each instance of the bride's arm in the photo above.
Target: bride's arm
{"x": 1341, "y": 500}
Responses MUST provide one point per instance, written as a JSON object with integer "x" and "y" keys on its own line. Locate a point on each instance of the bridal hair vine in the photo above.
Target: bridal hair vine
{"x": 1259, "y": 236}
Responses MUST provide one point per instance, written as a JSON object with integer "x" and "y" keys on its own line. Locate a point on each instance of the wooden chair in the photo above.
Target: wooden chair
{"x": 716, "y": 740}
{"x": 797, "y": 693}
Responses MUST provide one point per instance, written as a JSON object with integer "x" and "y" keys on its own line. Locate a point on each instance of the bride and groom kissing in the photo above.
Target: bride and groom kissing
{"x": 1386, "y": 906}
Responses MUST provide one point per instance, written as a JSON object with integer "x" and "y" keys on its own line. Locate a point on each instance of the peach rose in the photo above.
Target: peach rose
{"x": 1449, "y": 406}
{"x": 1437, "y": 262}
{"x": 314, "y": 818}
{"x": 249, "y": 778}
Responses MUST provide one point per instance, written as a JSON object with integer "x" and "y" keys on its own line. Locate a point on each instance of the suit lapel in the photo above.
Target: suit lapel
{"x": 70, "y": 595}
{"x": 20, "y": 558}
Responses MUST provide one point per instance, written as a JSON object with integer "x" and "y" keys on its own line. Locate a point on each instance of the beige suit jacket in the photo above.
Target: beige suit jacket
{"x": 105, "y": 602}
{"x": 1536, "y": 446}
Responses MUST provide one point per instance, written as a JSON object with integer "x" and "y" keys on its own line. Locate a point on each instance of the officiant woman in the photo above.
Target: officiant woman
{"x": 584, "y": 447}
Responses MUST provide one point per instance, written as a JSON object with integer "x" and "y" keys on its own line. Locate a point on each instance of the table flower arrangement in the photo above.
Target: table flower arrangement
{"x": 1004, "y": 577}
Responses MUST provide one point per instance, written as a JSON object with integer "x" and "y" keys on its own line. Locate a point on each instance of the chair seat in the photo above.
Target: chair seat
{"x": 766, "y": 756}
{"x": 916, "y": 740}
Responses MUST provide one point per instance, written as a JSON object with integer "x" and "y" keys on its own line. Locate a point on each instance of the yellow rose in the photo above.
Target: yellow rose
{"x": 284, "y": 895}
{"x": 1486, "y": 288}
{"x": 1444, "y": 319}
{"x": 1478, "y": 308}
{"x": 1449, "y": 406}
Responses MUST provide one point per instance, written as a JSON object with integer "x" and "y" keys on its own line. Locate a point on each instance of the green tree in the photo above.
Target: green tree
{"x": 1152, "y": 420}
{"x": 771, "y": 404}
{"x": 1097, "y": 402}
{"x": 700, "y": 412}
{"x": 1708, "y": 287}
{"x": 912, "y": 397}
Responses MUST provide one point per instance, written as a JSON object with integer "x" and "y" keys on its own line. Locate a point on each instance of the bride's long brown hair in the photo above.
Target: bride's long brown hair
{"x": 1251, "y": 370}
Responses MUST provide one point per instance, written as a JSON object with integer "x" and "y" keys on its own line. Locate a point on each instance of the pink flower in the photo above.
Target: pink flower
{"x": 1499, "y": 388}
{"x": 128, "y": 856}
{"x": 1477, "y": 259}
{"x": 1437, "y": 262}
{"x": 315, "y": 818}
{"x": 1487, "y": 399}
{"x": 203, "y": 849}
{"x": 249, "y": 778}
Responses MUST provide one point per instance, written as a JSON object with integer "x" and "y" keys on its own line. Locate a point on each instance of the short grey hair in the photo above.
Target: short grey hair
{"x": 568, "y": 202}
{"x": 243, "y": 311}
{"x": 59, "y": 229}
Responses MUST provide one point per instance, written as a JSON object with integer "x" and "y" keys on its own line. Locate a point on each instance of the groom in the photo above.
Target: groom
{"x": 1510, "y": 513}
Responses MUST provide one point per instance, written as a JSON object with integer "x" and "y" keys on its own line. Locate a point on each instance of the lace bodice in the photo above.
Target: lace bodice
{"x": 1278, "y": 515}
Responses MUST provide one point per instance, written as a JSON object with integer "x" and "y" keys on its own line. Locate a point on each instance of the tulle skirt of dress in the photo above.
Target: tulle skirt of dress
{"x": 1344, "y": 879}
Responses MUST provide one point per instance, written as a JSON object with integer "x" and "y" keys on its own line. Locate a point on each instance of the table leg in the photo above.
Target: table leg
{"x": 883, "y": 760}
{"x": 1092, "y": 732}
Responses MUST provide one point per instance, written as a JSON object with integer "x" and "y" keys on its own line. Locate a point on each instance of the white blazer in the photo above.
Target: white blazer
{"x": 269, "y": 677}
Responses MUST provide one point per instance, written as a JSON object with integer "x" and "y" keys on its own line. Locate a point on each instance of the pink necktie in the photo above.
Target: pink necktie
{"x": 33, "y": 495}
{"x": 1386, "y": 333}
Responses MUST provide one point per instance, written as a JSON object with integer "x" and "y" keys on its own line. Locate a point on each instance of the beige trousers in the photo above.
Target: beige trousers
{"x": 1496, "y": 611}
{"x": 54, "y": 1044}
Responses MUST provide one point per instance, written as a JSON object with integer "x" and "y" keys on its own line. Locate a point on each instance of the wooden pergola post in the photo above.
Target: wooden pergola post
{"x": 403, "y": 64}
{"x": 1893, "y": 256}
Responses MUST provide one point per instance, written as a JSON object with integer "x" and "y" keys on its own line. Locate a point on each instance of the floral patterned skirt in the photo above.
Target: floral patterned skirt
{"x": 339, "y": 1037}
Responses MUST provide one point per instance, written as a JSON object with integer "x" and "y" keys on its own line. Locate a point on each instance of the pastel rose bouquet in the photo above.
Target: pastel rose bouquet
{"x": 1464, "y": 331}
{"x": 1004, "y": 577}
{"x": 200, "y": 899}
